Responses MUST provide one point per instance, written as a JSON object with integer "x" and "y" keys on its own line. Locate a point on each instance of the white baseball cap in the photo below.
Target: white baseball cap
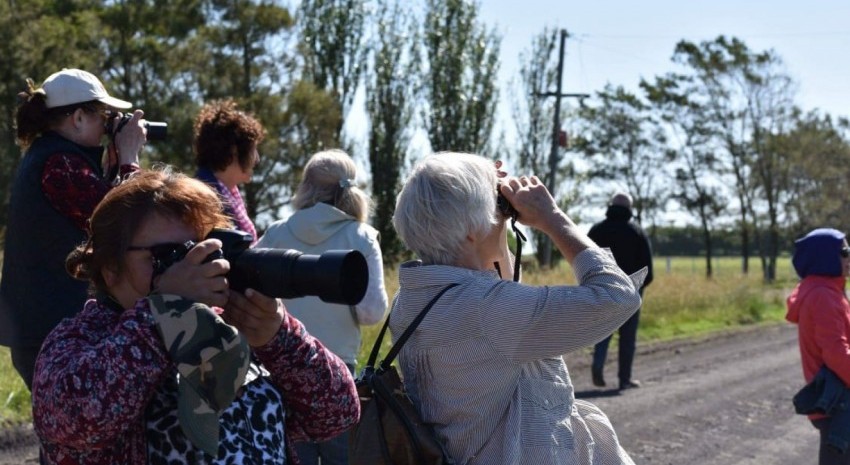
{"x": 71, "y": 86}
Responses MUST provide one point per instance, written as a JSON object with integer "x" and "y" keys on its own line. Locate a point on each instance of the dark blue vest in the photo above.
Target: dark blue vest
{"x": 36, "y": 292}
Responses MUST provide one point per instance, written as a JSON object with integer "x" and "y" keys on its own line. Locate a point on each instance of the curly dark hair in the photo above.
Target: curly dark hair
{"x": 221, "y": 132}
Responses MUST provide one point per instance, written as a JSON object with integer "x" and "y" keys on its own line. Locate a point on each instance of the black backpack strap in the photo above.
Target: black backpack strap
{"x": 396, "y": 348}
{"x": 377, "y": 347}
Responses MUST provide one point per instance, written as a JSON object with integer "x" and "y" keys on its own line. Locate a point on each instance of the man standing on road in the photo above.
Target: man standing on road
{"x": 632, "y": 251}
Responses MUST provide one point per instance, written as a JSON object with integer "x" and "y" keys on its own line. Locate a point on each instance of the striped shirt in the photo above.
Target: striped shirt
{"x": 484, "y": 367}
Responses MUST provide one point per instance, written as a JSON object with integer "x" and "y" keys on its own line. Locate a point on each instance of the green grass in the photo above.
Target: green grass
{"x": 680, "y": 302}
{"x": 15, "y": 404}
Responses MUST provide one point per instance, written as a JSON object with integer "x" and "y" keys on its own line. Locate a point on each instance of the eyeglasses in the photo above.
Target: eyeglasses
{"x": 165, "y": 254}
{"x": 845, "y": 252}
{"x": 86, "y": 107}
{"x": 106, "y": 113}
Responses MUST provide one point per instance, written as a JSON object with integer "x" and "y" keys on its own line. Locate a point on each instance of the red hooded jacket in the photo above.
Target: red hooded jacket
{"x": 821, "y": 311}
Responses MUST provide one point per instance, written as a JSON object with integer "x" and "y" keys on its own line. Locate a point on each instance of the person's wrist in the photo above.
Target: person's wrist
{"x": 127, "y": 157}
{"x": 556, "y": 222}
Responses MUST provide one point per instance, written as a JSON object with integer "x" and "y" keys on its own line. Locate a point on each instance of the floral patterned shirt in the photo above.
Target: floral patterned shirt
{"x": 73, "y": 188}
{"x": 97, "y": 372}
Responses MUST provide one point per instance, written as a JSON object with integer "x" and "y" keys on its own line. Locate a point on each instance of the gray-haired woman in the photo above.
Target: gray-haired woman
{"x": 484, "y": 367}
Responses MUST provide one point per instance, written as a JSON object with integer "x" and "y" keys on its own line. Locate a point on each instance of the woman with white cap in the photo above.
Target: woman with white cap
{"x": 60, "y": 127}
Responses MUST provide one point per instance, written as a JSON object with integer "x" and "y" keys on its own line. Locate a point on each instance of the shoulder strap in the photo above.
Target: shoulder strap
{"x": 396, "y": 348}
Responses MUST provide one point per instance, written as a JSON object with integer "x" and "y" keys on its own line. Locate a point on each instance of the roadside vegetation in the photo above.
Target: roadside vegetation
{"x": 679, "y": 303}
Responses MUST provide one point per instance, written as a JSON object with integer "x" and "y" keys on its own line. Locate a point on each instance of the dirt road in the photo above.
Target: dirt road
{"x": 721, "y": 401}
{"x": 724, "y": 400}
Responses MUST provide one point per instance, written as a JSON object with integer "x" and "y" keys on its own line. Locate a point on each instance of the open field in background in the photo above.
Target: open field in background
{"x": 679, "y": 303}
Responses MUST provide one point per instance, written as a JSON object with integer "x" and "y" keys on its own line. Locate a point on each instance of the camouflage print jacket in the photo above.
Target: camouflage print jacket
{"x": 97, "y": 372}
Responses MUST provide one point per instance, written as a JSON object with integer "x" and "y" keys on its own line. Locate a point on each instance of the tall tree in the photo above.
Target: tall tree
{"x": 332, "y": 44}
{"x": 748, "y": 97}
{"x": 143, "y": 43}
{"x": 532, "y": 114}
{"x": 626, "y": 146}
{"x": 460, "y": 78}
{"x": 690, "y": 152}
{"x": 390, "y": 99}
{"x": 816, "y": 151}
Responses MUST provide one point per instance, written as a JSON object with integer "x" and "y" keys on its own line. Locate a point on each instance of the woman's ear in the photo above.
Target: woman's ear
{"x": 79, "y": 113}
{"x": 110, "y": 276}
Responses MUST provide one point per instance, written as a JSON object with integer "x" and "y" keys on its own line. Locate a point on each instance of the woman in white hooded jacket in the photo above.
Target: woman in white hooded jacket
{"x": 330, "y": 213}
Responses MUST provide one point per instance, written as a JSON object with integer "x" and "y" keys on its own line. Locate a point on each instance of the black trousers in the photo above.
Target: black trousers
{"x": 23, "y": 359}
{"x": 626, "y": 352}
{"x": 828, "y": 455}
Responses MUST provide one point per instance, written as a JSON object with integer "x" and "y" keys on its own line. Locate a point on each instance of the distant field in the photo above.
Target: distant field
{"x": 681, "y": 302}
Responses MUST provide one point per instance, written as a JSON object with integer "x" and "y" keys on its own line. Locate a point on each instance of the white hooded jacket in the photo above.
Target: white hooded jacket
{"x": 318, "y": 229}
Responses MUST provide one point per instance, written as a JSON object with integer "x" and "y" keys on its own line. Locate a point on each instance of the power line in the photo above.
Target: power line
{"x": 743, "y": 36}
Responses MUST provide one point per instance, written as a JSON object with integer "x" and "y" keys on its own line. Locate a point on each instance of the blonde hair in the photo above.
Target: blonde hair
{"x": 329, "y": 177}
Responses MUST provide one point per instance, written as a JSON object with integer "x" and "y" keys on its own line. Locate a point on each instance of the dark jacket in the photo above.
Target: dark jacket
{"x": 827, "y": 394}
{"x": 36, "y": 292}
{"x": 627, "y": 241}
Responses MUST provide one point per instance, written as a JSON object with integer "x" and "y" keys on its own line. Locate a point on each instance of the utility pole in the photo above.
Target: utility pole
{"x": 554, "y": 156}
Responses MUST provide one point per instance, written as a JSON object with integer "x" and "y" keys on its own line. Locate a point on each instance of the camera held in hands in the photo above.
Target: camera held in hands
{"x": 157, "y": 130}
{"x": 335, "y": 276}
{"x": 504, "y": 206}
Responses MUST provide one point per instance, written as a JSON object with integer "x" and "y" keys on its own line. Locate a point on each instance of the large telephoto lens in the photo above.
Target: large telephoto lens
{"x": 335, "y": 276}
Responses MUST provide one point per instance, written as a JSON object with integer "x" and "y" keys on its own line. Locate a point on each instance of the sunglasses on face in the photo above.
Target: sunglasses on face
{"x": 845, "y": 252}
{"x": 164, "y": 255}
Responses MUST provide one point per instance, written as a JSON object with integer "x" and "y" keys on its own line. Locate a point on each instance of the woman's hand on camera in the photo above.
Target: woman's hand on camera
{"x": 538, "y": 210}
{"x": 130, "y": 139}
{"x": 193, "y": 279}
{"x": 257, "y": 316}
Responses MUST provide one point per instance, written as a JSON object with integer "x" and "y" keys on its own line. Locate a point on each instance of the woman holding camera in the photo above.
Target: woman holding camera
{"x": 61, "y": 178}
{"x": 225, "y": 145}
{"x": 149, "y": 372}
{"x": 484, "y": 366}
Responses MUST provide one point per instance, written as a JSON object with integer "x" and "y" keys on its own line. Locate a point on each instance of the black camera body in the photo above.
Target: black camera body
{"x": 157, "y": 130}
{"x": 504, "y": 206}
{"x": 335, "y": 276}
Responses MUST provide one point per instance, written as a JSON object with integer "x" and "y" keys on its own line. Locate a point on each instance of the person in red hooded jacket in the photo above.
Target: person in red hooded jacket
{"x": 819, "y": 307}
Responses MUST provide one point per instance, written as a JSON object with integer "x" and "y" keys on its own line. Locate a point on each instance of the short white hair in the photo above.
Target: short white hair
{"x": 447, "y": 196}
